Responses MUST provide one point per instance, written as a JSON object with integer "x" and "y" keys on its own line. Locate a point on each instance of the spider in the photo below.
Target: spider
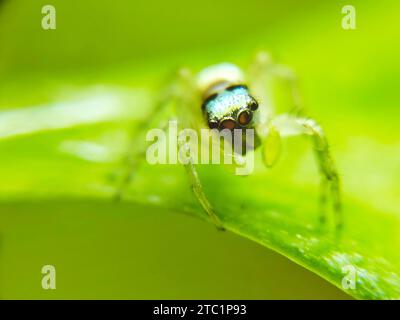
{"x": 222, "y": 97}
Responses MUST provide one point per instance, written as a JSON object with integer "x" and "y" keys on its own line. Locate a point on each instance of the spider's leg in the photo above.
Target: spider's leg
{"x": 200, "y": 195}
{"x": 156, "y": 118}
{"x": 323, "y": 198}
{"x": 262, "y": 70}
{"x": 182, "y": 95}
{"x": 289, "y": 125}
{"x": 195, "y": 183}
{"x": 190, "y": 117}
{"x": 133, "y": 163}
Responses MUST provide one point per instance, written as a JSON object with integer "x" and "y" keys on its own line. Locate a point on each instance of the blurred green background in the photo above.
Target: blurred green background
{"x": 349, "y": 81}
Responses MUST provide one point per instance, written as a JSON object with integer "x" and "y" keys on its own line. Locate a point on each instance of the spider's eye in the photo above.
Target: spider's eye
{"x": 245, "y": 117}
{"x": 212, "y": 124}
{"x": 227, "y": 124}
{"x": 253, "y": 105}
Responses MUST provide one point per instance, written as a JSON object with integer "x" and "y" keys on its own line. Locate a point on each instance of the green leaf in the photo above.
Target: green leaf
{"x": 64, "y": 135}
{"x": 76, "y": 150}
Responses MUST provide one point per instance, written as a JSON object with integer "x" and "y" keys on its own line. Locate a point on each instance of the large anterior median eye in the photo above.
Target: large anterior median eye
{"x": 227, "y": 124}
{"x": 245, "y": 117}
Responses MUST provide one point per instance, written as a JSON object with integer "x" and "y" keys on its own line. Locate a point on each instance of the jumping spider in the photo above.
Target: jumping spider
{"x": 224, "y": 97}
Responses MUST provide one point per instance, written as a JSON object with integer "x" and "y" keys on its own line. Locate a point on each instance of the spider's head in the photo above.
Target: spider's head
{"x": 231, "y": 108}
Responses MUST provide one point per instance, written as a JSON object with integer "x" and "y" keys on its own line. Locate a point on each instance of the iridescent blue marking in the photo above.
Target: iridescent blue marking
{"x": 228, "y": 103}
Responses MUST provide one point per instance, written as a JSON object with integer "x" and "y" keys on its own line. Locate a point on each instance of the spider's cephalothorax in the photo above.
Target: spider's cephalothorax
{"x": 227, "y": 102}
{"x": 231, "y": 108}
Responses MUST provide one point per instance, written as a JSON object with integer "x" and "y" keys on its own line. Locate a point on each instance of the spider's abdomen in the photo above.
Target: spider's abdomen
{"x": 218, "y": 77}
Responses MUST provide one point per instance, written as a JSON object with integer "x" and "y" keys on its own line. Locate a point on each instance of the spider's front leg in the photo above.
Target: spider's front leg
{"x": 178, "y": 101}
{"x": 189, "y": 117}
{"x": 271, "y": 131}
{"x": 290, "y": 125}
{"x": 200, "y": 195}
